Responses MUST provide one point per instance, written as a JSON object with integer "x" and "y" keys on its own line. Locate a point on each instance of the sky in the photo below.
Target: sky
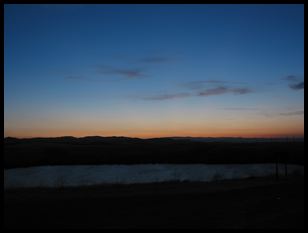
{"x": 153, "y": 70}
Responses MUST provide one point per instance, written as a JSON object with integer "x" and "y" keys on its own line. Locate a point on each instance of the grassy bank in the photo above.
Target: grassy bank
{"x": 249, "y": 203}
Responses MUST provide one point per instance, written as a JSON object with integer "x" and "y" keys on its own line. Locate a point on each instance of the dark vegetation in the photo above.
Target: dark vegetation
{"x": 256, "y": 203}
{"x": 122, "y": 150}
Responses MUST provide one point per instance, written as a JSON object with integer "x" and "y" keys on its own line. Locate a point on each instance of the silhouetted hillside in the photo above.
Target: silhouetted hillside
{"x": 123, "y": 150}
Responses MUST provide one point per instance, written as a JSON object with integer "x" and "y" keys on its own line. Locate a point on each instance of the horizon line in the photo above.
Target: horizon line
{"x": 230, "y": 137}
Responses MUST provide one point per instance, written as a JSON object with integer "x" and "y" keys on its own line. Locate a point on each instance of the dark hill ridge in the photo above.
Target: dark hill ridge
{"x": 240, "y": 139}
{"x": 97, "y": 139}
{"x": 124, "y": 150}
{"x": 70, "y": 140}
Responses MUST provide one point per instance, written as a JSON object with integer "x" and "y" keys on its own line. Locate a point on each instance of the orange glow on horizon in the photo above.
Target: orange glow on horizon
{"x": 153, "y": 134}
{"x": 246, "y": 127}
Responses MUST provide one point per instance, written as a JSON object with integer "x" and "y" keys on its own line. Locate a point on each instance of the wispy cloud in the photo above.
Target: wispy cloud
{"x": 214, "y": 91}
{"x": 294, "y": 113}
{"x": 241, "y": 109}
{"x": 297, "y": 86}
{"x": 129, "y": 73}
{"x": 240, "y": 91}
{"x": 167, "y": 96}
{"x": 292, "y": 78}
{"x": 295, "y": 82}
{"x": 199, "y": 84}
{"x": 275, "y": 113}
{"x": 224, "y": 90}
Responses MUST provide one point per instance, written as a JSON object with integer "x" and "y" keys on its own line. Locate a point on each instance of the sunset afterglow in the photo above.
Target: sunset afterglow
{"x": 154, "y": 70}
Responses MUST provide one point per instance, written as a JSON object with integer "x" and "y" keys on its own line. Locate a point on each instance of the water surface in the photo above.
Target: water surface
{"x": 83, "y": 175}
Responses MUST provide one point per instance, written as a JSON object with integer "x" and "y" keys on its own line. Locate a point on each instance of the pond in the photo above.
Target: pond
{"x": 84, "y": 175}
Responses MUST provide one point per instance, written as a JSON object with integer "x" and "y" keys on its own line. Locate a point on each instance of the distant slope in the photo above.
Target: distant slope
{"x": 123, "y": 150}
{"x": 100, "y": 139}
{"x": 239, "y": 139}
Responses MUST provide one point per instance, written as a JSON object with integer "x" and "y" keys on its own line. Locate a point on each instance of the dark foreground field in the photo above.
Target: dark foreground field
{"x": 250, "y": 203}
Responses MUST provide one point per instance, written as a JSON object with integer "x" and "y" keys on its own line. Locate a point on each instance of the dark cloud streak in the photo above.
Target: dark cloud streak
{"x": 294, "y": 82}
{"x": 167, "y": 96}
{"x": 223, "y": 90}
{"x": 199, "y": 84}
{"x": 131, "y": 73}
{"x": 241, "y": 91}
{"x": 297, "y": 86}
{"x": 295, "y": 113}
{"x": 209, "y": 92}
{"x": 291, "y": 78}
{"x": 241, "y": 109}
{"x": 213, "y": 91}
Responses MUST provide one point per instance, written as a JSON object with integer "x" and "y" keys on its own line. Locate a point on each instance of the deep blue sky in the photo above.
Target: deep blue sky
{"x": 154, "y": 70}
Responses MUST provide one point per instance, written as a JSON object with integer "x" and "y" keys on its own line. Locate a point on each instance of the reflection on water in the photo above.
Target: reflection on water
{"x": 79, "y": 175}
